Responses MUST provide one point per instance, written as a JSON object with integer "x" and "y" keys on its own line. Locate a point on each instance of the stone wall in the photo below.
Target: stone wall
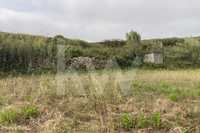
{"x": 87, "y": 63}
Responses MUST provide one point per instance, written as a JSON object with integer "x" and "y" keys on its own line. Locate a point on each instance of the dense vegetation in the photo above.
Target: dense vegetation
{"x": 28, "y": 53}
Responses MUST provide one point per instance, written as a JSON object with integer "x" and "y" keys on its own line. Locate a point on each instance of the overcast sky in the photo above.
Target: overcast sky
{"x": 95, "y": 20}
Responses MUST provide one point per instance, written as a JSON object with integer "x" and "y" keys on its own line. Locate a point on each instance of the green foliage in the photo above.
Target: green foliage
{"x": 127, "y": 121}
{"x": 23, "y": 51}
{"x": 14, "y": 115}
{"x": 73, "y": 52}
{"x": 183, "y": 55}
{"x": 27, "y": 54}
{"x": 173, "y": 97}
{"x": 171, "y": 41}
{"x": 113, "y": 43}
{"x": 124, "y": 61}
{"x": 142, "y": 121}
{"x": 29, "y": 112}
{"x": 171, "y": 91}
{"x": 154, "y": 120}
{"x": 8, "y": 116}
{"x": 133, "y": 38}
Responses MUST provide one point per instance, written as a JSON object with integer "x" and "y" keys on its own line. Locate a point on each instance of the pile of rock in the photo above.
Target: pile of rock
{"x": 81, "y": 63}
{"x": 87, "y": 63}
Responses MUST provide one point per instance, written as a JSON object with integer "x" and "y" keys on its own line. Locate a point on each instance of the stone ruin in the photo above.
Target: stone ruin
{"x": 87, "y": 63}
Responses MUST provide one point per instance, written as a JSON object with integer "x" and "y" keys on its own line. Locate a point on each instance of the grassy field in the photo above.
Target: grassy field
{"x": 139, "y": 101}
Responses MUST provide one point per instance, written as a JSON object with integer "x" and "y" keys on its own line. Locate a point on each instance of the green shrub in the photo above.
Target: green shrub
{"x": 29, "y": 112}
{"x": 155, "y": 120}
{"x": 133, "y": 37}
{"x": 21, "y": 114}
{"x": 113, "y": 43}
{"x": 8, "y": 116}
{"x": 142, "y": 121}
{"x": 127, "y": 121}
{"x": 173, "y": 97}
{"x": 73, "y": 52}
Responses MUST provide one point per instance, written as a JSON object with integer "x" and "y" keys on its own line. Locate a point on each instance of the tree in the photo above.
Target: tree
{"x": 133, "y": 38}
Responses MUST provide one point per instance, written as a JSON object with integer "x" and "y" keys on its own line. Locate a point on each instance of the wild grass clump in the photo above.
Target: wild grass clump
{"x": 153, "y": 120}
{"x": 173, "y": 97}
{"x": 8, "y": 116}
{"x": 18, "y": 115}
{"x": 29, "y": 112}
{"x": 127, "y": 121}
{"x": 141, "y": 121}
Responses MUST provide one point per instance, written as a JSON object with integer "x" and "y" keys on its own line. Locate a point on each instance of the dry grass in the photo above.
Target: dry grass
{"x": 171, "y": 76}
{"x": 95, "y": 102}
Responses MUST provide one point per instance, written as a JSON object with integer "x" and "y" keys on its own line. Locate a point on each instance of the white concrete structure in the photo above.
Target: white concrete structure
{"x": 155, "y": 58}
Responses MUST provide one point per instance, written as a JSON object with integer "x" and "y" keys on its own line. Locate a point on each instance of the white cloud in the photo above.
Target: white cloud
{"x": 106, "y": 19}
